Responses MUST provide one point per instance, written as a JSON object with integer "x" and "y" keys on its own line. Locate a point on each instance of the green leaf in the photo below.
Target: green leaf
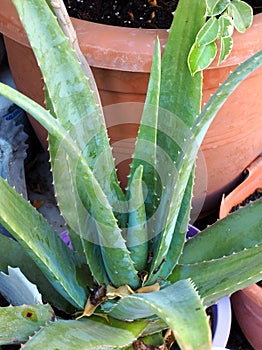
{"x": 215, "y": 279}
{"x": 88, "y": 333}
{"x": 73, "y": 101}
{"x": 208, "y": 33}
{"x": 242, "y": 14}
{"x": 137, "y": 239}
{"x": 42, "y": 243}
{"x": 180, "y": 231}
{"x": 193, "y": 142}
{"x": 200, "y": 57}
{"x": 216, "y": 7}
{"x": 112, "y": 244}
{"x": 239, "y": 230}
{"x": 226, "y": 26}
{"x": 226, "y": 256}
{"x": 226, "y": 45}
{"x": 176, "y": 112}
{"x": 146, "y": 144}
{"x": 172, "y": 304}
{"x": 18, "y": 323}
{"x": 12, "y": 254}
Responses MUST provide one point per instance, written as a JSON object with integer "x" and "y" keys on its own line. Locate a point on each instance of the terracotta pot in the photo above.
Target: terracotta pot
{"x": 247, "y": 303}
{"x": 121, "y": 61}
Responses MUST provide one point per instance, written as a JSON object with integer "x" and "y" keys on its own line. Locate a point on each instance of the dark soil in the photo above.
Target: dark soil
{"x": 134, "y": 13}
{"x": 254, "y": 196}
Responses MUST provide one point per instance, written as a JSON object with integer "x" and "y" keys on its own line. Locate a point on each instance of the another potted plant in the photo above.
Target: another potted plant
{"x": 130, "y": 274}
{"x": 122, "y": 74}
{"x": 247, "y": 303}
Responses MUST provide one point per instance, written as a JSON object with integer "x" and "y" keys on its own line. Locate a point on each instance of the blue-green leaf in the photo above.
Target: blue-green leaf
{"x": 172, "y": 304}
{"x": 42, "y": 243}
{"x": 137, "y": 239}
{"x": 87, "y": 333}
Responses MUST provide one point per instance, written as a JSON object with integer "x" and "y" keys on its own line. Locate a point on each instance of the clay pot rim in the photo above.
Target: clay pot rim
{"x": 252, "y": 183}
{"x": 101, "y": 49}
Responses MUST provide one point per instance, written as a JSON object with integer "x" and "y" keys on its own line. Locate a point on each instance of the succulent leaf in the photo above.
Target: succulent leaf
{"x": 16, "y": 281}
{"x": 42, "y": 243}
{"x": 176, "y": 112}
{"x": 146, "y": 143}
{"x": 137, "y": 239}
{"x": 83, "y": 334}
{"x": 18, "y": 323}
{"x": 172, "y": 304}
{"x": 114, "y": 251}
{"x": 219, "y": 259}
{"x": 12, "y": 255}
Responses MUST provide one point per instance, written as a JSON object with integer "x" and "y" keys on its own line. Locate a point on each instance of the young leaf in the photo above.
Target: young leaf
{"x": 226, "y": 26}
{"x": 200, "y": 57}
{"x": 137, "y": 238}
{"x": 147, "y": 137}
{"x": 226, "y": 45}
{"x": 216, "y": 7}
{"x": 242, "y": 14}
{"x": 208, "y": 33}
{"x": 176, "y": 114}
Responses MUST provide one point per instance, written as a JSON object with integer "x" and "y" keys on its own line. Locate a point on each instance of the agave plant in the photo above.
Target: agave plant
{"x": 130, "y": 274}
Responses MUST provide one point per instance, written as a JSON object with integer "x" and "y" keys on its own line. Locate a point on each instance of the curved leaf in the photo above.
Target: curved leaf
{"x": 208, "y": 33}
{"x": 226, "y": 236}
{"x": 178, "y": 305}
{"x": 88, "y": 333}
{"x": 200, "y": 57}
{"x": 221, "y": 277}
{"x": 12, "y": 254}
{"x": 242, "y": 14}
{"x": 216, "y": 7}
{"x": 17, "y": 289}
{"x": 192, "y": 144}
{"x": 42, "y": 243}
{"x": 119, "y": 266}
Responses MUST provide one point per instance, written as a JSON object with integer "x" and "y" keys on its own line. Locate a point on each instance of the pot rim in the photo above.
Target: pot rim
{"x": 129, "y": 52}
{"x": 252, "y": 183}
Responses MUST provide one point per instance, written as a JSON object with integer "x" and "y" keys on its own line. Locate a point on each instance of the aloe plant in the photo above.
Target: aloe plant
{"x": 130, "y": 273}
